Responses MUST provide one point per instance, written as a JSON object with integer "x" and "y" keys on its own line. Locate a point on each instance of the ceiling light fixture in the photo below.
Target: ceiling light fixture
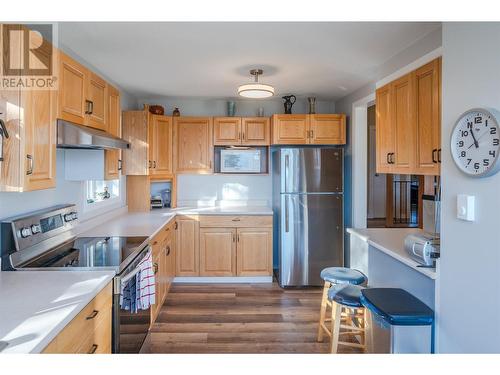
{"x": 256, "y": 90}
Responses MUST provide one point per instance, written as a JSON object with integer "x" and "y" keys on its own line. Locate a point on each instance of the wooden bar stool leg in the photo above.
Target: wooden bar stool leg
{"x": 322, "y": 313}
{"x": 336, "y": 318}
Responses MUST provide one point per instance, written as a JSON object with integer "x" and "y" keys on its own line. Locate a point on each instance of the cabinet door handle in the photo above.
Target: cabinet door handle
{"x": 150, "y": 164}
{"x": 236, "y": 219}
{"x": 176, "y": 225}
{"x": 93, "y": 349}
{"x": 91, "y": 107}
{"x": 239, "y": 136}
{"x": 30, "y": 164}
{"x": 155, "y": 268}
{"x": 243, "y": 136}
{"x": 120, "y": 164}
{"x": 312, "y": 134}
{"x": 154, "y": 164}
{"x": 168, "y": 250}
{"x": 439, "y": 155}
{"x": 92, "y": 315}
{"x": 387, "y": 158}
{"x": 234, "y": 237}
{"x": 238, "y": 237}
{"x": 434, "y": 152}
{"x": 287, "y": 228}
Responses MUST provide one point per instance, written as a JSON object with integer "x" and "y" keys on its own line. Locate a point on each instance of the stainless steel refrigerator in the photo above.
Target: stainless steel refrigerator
{"x": 308, "y": 213}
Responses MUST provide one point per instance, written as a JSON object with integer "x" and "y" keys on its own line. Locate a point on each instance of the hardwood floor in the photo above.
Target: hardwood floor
{"x": 237, "y": 318}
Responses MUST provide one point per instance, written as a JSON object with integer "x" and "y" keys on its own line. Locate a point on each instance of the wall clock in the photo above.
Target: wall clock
{"x": 475, "y": 142}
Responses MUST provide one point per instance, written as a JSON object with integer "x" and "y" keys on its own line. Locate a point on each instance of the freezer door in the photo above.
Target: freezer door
{"x": 311, "y": 239}
{"x": 311, "y": 170}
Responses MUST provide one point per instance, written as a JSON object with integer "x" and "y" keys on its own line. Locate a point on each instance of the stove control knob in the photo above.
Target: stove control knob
{"x": 68, "y": 217}
{"x": 25, "y": 232}
{"x": 35, "y": 228}
{"x": 74, "y": 215}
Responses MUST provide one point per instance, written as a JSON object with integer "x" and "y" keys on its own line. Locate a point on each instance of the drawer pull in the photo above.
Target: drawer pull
{"x": 93, "y": 315}
{"x": 237, "y": 219}
{"x": 168, "y": 250}
{"x": 93, "y": 349}
{"x": 155, "y": 268}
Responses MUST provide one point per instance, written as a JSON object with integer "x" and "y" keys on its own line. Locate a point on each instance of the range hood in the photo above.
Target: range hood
{"x": 71, "y": 135}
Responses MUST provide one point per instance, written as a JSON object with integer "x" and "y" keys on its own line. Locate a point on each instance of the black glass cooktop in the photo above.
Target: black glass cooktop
{"x": 89, "y": 252}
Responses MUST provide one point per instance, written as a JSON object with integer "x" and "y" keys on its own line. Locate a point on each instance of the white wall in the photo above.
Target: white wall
{"x": 224, "y": 187}
{"x": 469, "y": 286}
{"x": 244, "y": 107}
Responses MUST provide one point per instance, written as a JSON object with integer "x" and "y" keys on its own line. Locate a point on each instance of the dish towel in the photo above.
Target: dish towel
{"x": 138, "y": 293}
{"x": 145, "y": 294}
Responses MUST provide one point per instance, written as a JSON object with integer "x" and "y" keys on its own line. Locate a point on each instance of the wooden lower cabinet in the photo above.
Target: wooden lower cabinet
{"x": 254, "y": 252}
{"x": 187, "y": 243}
{"x": 217, "y": 251}
{"x": 236, "y": 245}
{"x": 90, "y": 331}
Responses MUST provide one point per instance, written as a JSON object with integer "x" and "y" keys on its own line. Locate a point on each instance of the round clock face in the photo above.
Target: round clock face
{"x": 475, "y": 142}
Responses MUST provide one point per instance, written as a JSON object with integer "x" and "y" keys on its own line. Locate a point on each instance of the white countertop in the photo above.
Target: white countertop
{"x": 391, "y": 242}
{"x": 37, "y": 305}
{"x": 149, "y": 223}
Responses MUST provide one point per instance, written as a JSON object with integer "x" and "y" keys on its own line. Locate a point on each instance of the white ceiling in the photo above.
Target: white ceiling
{"x": 328, "y": 60}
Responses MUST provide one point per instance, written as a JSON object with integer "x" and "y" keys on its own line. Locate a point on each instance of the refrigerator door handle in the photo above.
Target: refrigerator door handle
{"x": 287, "y": 162}
{"x": 287, "y": 224}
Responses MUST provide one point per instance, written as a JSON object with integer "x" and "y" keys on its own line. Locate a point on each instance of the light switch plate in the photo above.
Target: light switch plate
{"x": 466, "y": 207}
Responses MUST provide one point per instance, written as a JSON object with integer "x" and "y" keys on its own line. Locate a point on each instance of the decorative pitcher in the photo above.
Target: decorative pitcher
{"x": 289, "y": 100}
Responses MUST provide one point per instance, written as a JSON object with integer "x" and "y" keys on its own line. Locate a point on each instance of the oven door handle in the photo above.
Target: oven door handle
{"x": 122, "y": 279}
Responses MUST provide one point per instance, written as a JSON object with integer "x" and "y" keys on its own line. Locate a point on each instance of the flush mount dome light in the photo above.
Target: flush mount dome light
{"x": 256, "y": 90}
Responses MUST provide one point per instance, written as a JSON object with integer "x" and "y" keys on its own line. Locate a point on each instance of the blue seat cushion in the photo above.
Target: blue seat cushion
{"x": 346, "y": 294}
{"x": 343, "y": 275}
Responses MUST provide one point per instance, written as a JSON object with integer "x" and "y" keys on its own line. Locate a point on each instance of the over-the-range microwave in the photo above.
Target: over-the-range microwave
{"x": 242, "y": 160}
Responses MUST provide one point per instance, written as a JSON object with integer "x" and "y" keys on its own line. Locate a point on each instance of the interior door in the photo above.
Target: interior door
{"x": 311, "y": 237}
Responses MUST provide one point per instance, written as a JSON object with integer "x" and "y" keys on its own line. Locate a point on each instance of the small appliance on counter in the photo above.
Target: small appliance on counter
{"x": 156, "y": 201}
{"x": 424, "y": 247}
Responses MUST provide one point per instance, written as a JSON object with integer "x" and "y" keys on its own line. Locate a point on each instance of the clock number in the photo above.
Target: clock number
{"x": 476, "y": 165}
{"x": 468, "y": 161}
{"x": 493, "y": 130}
{"x": 462, "y": 154}
{"x": 465, "y": 133}
{"x": 486, "y": 162}
{"x": 461, "y": 143}
{"x": 496, "y": 141}
{"x": 478, "y": 120}
{"x": 492, "y": 153}
{"x": 469, "y": 125}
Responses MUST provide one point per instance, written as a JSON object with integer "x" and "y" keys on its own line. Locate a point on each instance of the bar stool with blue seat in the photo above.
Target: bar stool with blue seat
{"x": 348, "y": 314}
{"x": 333, "y": 276}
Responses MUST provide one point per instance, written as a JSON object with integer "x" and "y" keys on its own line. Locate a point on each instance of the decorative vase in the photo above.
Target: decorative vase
{"x": 289, "y": 100}
{"x": 260, "y": 112}
{"x": 176, "y": 112}
{"x": 231, "y": 108}
{"x": 312, "y": 105}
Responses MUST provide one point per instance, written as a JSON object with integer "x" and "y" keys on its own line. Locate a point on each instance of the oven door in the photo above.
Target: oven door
{"x": 129, "y": 329}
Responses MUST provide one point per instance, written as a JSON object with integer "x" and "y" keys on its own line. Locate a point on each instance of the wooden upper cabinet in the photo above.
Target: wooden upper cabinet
{"x": 227, "y": 131}
{"x": 290, "y": 129}
{"x": 97, "y": 102}
{"x": 187, "y": 252}
{"x": 39, "y": 139}
{"x": 160, "y": 145}
{"x": 255, "y": 252}
{"x": 427, "y": 121}
{"x": 73, "y": 78}
{"x": 135, "y": 130}
{"x": 384, "y": 130}
{"x": 193, "y": 150}
{"x": 83, "y": 96}
{"x": 217, "y": 251}
{"x": 408, "y": 122}
{"x": 403, "y": 123}
{"x": 255, "y": 131}
{"x": 112, "y": 157}
{"x": 327, "y": 129}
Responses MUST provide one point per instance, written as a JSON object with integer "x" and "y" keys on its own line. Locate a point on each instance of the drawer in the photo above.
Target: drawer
{"x": 243, "y": 221}
{"x": 99, "y": 341}
{"x": 96, "y": 314}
